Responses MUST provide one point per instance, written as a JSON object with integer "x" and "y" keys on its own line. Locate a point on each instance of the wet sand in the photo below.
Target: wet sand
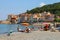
{"x": 34, "y": 35}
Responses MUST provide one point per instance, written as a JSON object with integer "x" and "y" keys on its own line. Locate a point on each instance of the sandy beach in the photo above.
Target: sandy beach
{"x": 34, "y": 35}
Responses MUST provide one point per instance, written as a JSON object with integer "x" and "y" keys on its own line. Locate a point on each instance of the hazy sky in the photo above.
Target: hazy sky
{"x": 19, "y": 6}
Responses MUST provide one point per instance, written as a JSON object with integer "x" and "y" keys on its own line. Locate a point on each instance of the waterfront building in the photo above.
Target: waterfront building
{"x": 24, "y": 17}
{"x": 36, "y": 17}
{"x": 46, "y": 16}
{"x": 12, "y": 18}
{"x": 49, "y": 17}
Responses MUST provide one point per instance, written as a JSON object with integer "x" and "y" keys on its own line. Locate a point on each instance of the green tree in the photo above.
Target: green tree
{"x": 53, "y": 8}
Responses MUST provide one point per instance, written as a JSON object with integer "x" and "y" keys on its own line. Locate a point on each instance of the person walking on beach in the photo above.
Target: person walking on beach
{"x": 18, "y": 29}
{"x": 9, "y": 33}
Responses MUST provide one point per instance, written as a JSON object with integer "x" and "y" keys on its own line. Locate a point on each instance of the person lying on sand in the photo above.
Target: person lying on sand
{"x": 20, "y": 30}
{"x": 27, "y": 30}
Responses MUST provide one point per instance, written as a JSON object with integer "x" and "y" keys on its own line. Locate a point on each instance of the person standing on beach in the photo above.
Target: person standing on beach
{"x": 46, "y": 27}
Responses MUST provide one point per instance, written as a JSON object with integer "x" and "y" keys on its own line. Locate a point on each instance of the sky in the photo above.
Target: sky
{"x": 20, "y": 6}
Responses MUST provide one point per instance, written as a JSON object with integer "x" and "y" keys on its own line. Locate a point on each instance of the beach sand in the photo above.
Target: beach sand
{"x": 34, "y": 35}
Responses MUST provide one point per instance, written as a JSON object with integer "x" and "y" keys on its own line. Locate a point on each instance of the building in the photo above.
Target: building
{"x": 24, "y": 17}
{"x": 49, "y": 17}
{"x": 12, "y": 18}
{"x": 30, "y": 18}
{"x": 45, "y": 16}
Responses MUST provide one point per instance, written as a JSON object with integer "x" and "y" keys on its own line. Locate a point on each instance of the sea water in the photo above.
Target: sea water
{"x": 6, "y": 28}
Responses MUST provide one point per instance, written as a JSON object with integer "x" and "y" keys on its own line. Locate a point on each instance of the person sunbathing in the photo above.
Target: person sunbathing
{"x": 20, "y": 30}
{"x": 27, "y": 30}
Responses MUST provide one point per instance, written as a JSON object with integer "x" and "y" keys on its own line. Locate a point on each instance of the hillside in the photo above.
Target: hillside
{"x": 53, "y": 8}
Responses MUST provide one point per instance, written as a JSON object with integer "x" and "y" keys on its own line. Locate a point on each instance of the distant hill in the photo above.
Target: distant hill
{"x": 53, "y": 8}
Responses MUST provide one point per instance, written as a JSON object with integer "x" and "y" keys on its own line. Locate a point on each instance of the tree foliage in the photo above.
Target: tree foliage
{"x": 57, "y": 20}
{"x": 53, "y": 8}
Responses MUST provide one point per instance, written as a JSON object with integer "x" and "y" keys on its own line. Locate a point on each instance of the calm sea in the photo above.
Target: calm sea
{"x": 5, "y": 28}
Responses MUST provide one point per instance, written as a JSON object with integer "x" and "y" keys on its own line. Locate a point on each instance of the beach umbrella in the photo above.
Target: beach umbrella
{"x": 45, "y": 23}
